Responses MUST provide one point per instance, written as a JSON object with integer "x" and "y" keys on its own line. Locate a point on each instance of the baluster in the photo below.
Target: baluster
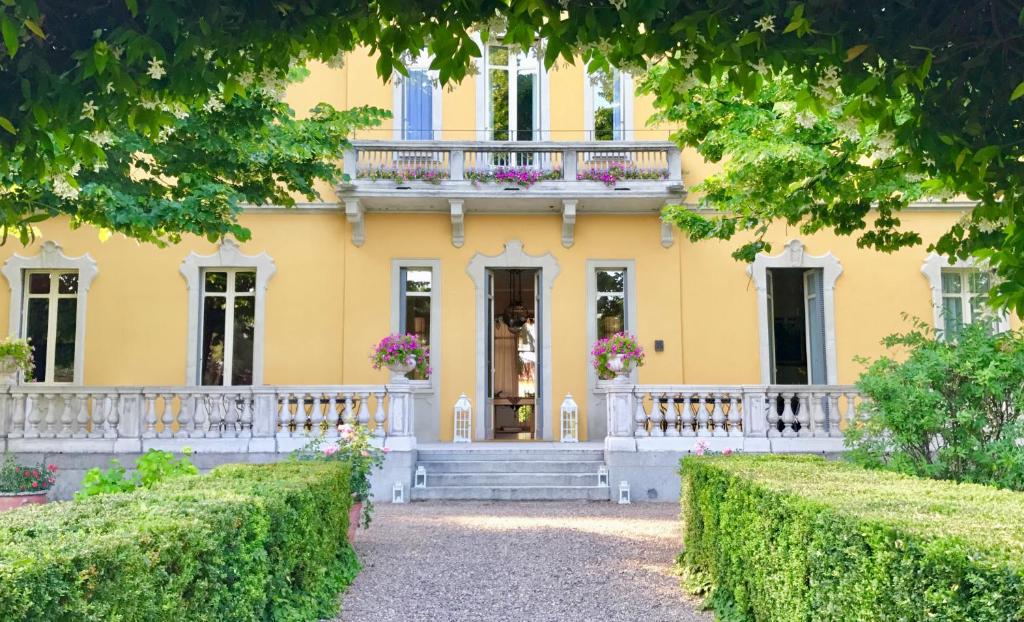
{"x": 186, "y": 407}
{"x": 718, "y": 418}
{"x": 66, "y": 418}
{"x": 851, "y": 410}
{"x": 702, "y": 416}
{"x": 302, "y": 423}
{"x": 788, "y": 419}
{"x": 364, "y": 411}
{"x": 246, "y": 415}
{"x": 378, "y": 417}
{"x": 656, "y": 416}
{"x": 349, "y": 417}
{"x": 640, "y": 417}
{"x": 686, "y": 422}
{"x": 150, "y": 429}
{"x": 316, "y": 416}
{"x": 167, "y": 416}
{"x": 284, "y": 413}
{"x": 819, "y": 413}
{"x": 773, "y": 414}
{"x": 215, "y": 407}
{"x": 804, "y": 415}
{"x": 50, "y": 422}
{"x": 98, "y": 416}
{"x": 833, "y": 415}
{"x": 111, "y": 415}
{"x": 81, "y": 428}
{"x": 200, "y": 416}
{"x": 671, "y": 415}
{"x": 18, "y": 416}
{"x": 735, "y": 418}
{"x": 332, "y": 415}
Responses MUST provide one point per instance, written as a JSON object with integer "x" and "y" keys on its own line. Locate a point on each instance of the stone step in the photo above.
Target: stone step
{"x": 509, "y": 455}
{"x": 510, "y": 466}
{"x": 511, "y": 479}
{"x": 513, "y": 493}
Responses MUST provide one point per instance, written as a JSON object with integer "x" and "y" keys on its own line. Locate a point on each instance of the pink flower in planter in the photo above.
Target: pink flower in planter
{"x": 727, "y": 451}
{"x": 330, "y": 451}
{"x": 346, "y": 432}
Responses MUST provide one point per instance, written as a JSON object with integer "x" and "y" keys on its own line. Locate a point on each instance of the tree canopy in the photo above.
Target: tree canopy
{"x": 941, "y": 83}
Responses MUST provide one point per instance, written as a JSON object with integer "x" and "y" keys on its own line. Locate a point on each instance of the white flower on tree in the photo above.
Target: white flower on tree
{"x": 156, "y": 69}
{"x": 760, "y": 67}
{"x": 89, "y": 110}
{"x": 806, "y": 119}
{"x": 766, "y": 23}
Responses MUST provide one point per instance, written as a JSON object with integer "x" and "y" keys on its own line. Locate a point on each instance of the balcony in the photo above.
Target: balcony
{"x": 518, "y": 176}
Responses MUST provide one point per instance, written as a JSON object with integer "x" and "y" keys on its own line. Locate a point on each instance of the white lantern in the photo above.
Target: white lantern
{"x": 602, "y": 475}
{"x": 463, "y": 419}
{"x": 421, "y": 477}
{"x": 398, "y": 493}
{"x": 624, "y": 492}
{"x": 570, "y": 420}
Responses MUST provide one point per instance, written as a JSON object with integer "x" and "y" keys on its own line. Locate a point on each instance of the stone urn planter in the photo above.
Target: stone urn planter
{"x": 9, "y": 369}
{"x": 13, "y": 500}
{"x": 621, "y": 367}
{"x": 400, "y": 371}
{"x": 354, "y": 514}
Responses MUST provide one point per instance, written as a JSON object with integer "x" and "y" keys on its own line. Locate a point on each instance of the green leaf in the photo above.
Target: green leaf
{"x": 855, "y": 51}
{"x": 10, "y": 34}
{"x": 1017, "y": 92}
{"x": 34, "y": 27}
{"x": 133, "y": 7}
{"x": 960, "y": 158}
{"x": 7, "y": 125}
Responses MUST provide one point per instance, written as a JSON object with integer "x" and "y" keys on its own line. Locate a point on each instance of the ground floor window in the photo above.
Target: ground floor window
{"x": 415, "y": 302}
{"x": 796, "y": 315}
{"x": 963, "y": 297}
{"x": 50, "y": 323}
{"x": 611, "y": 301}
{"x": 228, "y": 326}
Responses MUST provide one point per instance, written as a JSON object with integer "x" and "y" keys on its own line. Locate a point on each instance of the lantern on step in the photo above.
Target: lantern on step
{"x": 398, "y": 493}
{"x": 421, "y": 477}
{"x": 623, "y": 492}
{"x": 602, "y": 476}
{"x": 463, "y": 419}
{"x": 570, "y": 420}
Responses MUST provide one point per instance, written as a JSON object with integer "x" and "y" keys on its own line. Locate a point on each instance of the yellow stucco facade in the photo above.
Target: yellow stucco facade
{"x": 330, "y": 301}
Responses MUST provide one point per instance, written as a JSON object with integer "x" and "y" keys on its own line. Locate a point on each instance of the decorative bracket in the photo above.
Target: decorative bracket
{"x": 458, "y": 222}
{"x": 568, "y": 222}
{"x": 354, "y": 213}
{"x": 668, "y": 234}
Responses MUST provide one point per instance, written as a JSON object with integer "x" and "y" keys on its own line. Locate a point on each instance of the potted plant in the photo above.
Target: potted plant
{"x": 616, "y": 356}
{"x": 402, "y": 354}
{"x": 353, "y": 446}
{"x": 15, "y": 356}
{"x": 21, "y": 485}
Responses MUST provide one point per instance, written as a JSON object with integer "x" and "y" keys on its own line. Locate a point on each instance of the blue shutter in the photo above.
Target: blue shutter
{"x": 419, "y": 106}
{"x": 617, "y": 125}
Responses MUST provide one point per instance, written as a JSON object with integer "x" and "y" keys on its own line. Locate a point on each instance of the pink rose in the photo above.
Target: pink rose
{"x": 330, "y": 451}
{"x": 727, "y": 451}
{"x": 346, "y": 431}
{"x": 365, "y": 453}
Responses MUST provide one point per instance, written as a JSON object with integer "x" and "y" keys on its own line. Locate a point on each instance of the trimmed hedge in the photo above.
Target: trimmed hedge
{"x": 777, "y": 538}
{"x": 246, "y": 542}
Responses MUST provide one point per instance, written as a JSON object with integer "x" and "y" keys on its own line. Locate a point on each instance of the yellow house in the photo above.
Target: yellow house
{"x": 510, "y": 222}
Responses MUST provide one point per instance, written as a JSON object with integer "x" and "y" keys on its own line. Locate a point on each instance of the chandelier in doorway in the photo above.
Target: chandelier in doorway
{"x": 515, "y": 314}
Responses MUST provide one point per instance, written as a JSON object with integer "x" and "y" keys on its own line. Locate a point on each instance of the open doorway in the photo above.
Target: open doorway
{"x": 796, "y": 324}
{"x": 513, "y": 361}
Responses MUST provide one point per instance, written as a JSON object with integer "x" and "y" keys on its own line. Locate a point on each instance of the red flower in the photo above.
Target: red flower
{"x": 35, "y": 472}
{"x": 17, "y": 471}
{"x": 52, "y": 468}
{"x": 35, "y": 484}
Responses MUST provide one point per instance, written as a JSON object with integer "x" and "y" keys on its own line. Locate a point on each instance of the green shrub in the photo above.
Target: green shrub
{"x": 152, "y": 467}
{"x": 791, "y": 539}
{"x": 949, "y": 409}
{"x": 261, "y": 542}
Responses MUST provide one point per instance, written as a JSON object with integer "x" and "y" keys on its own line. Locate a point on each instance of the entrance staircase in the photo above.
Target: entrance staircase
{"x": 502, "y": 471}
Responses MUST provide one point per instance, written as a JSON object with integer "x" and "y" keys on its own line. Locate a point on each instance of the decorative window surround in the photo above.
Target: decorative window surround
{"x": 422, "y": 63}
{"x": 794, "y": 255}
{"x": 51, "y": 257}
{"x": 932, "y": 270}
{"x": 228, "y": 256}
{"x": 625, "y": 93}
{"x": 513, "y": 256}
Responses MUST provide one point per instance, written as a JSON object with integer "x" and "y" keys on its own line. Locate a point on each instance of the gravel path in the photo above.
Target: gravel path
{"x": 535, "y": 562}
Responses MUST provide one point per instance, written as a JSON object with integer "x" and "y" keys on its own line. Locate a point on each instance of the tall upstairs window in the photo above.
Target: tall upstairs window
{"x": 608, "y": 103}
{"x": 513, "y": 94}
{"x": 417, "y": 102}
{"x": 50, "y": 323}
{"x": 229, "y": 321}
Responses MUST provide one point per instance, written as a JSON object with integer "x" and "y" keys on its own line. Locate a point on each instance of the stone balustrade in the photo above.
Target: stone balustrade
{"x": 265, "y": 419}
{"x": 749, "y": 417}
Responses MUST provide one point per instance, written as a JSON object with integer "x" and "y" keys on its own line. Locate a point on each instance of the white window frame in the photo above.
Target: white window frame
{"x": 434, "y": 265}
{"x": 53, "y": 296}
{"x": 421, "y": 63}
{"x": 228, "y": 256}
{"x": 51, "y": 257}
{"x": 483, "y": 91}
{"x": 794, "y": 255}
{"x": 626, "y": 92}
{"x": 628, "y": 292}
{"x": 229, "y": 294}
{"x": 933, "y": 267}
